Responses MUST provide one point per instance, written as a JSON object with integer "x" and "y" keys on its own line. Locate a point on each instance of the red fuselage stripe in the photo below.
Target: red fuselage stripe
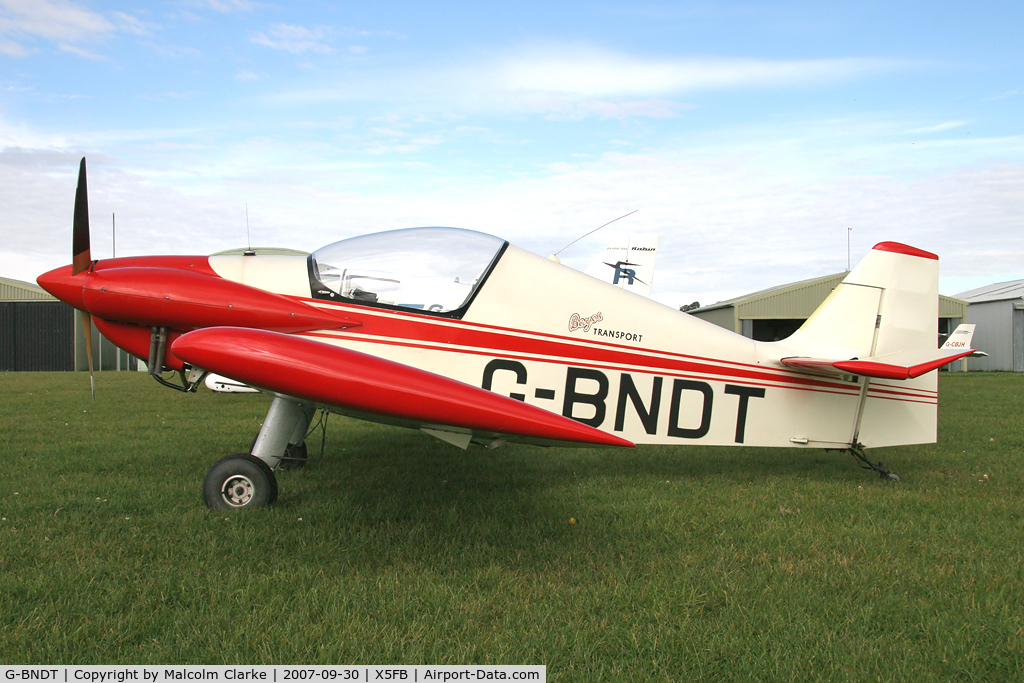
{"x": 414, "y": 331}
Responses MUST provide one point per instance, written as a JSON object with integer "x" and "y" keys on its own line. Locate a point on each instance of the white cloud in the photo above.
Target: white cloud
{"x": 316, "y": 40}
{"x": 225, "y": 6}
{"x": 655, "y": 109}
{"x": 407, "y": 146}
{"x": 169, "y": 96}
{"x": 569, "y": 82}
{"x": 130, "y": 24}
{"x": 22, "y": 136}
{"x": 939, "y": 127}
{"x": 60, "y": 21}
{"x": 589, "y": 73}
{"x": 730, "y": 222}
{"x": 174, "y": 51}
{"x": 83, "y": 53}
{"x": 12, "y": 49}
{"x": 54, "y": 19}
{"x": 295, "y": 39}
{"x": 1009, "y": 93}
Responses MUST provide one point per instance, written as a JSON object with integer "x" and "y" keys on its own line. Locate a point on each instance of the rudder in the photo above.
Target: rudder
{"x": 888, "y": 304}
{"x": 881, "y": 324}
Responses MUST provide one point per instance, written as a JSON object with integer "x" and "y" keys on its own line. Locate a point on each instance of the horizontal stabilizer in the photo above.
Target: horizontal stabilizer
{"x": 347, "y": 379}
{"x": 900, "y": 365}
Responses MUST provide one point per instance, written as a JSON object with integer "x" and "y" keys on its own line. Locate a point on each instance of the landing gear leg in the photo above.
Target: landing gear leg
{"x": 286, "y": 424}
{"x": 246, "y": 480}
{"x": 295, "y": 453}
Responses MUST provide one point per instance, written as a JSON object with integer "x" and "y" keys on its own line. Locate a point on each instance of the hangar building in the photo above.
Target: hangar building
{"x": 775, "y": 313}
{"x": 38, "y": 332}
{"x": 998, "y": 311}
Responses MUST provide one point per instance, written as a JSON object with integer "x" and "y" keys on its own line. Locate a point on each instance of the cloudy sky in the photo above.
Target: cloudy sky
{"x": 752, "y": 136}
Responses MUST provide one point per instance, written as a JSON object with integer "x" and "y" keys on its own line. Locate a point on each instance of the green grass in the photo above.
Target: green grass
{"x": 683, "y": 564}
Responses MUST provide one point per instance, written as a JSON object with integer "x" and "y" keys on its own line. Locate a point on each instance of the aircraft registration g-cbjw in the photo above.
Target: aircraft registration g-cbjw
{"x": 472, "y": 340}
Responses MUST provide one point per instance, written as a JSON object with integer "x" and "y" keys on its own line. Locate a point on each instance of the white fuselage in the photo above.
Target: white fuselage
{"x": 563, "y": 341}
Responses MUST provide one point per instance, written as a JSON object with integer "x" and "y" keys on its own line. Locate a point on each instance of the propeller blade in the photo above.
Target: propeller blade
{"x": 81, "y": 256}
{"x": 87, "y": 329}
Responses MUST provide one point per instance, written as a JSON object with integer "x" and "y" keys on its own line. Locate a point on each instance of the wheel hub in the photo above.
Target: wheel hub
{"x": 237, "y": 490}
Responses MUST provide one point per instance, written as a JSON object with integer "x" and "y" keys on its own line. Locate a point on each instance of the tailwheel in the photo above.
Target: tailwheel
{"x": 239, "y": 481}
{"x": 857, "y": 450}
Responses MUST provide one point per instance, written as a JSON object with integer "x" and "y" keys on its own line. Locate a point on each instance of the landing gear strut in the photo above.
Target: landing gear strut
{"x": 247, "y": 480}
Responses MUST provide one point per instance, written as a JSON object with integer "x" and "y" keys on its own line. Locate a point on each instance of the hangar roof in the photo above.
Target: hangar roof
{"x": 1000, "y": 291}
{"x": 815, "y": 289}
{"x": 797, "y": 300}
{"x": 16, "y": 290}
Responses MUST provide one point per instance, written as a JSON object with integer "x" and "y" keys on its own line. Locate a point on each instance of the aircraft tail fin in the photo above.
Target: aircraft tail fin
{"x": 888, "y": 304}
{"x": 961, "y": 339}
{"x": 880, "y": 326}
{"x": 628, "y": 263}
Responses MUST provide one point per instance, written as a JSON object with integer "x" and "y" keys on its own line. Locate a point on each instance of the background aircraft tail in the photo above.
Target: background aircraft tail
{"x": 628, "y": 263}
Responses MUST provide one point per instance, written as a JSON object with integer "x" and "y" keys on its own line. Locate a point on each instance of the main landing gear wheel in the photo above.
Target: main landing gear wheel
{"x": 239, "y": 481}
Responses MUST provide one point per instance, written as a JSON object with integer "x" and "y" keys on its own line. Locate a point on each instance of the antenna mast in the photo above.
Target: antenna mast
{"x": 248, "y": 242}
{"x": 848, "y": 231}
{"x": 555, "y": 255}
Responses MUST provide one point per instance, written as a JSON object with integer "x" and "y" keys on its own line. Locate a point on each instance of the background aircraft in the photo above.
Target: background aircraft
{"x": 628, "y": 263}
{"x": 473, "y": 340}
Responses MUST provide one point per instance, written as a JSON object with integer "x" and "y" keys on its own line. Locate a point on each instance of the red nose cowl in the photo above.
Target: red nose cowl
{"x": 65, "y": 286}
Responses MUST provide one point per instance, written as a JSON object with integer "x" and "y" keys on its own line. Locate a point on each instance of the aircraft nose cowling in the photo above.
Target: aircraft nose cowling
{"x": 183, "y": 300}
{"x": 67, "y": 287}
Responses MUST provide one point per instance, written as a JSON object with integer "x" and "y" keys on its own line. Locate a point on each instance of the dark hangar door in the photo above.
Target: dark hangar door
{"x": 36, "y": 335}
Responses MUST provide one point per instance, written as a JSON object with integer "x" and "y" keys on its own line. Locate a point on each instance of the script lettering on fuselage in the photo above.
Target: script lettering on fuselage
{"x": 587, "y": 396}
{"x": 578, "y": 322}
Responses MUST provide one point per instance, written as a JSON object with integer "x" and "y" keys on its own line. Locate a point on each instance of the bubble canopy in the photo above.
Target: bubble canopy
{"x": 425, "y": 269}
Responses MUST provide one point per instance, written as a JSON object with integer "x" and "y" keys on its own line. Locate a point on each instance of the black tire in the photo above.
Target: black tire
{"x": 239, "y": 481}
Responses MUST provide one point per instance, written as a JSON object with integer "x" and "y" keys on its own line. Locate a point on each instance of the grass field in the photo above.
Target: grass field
{"x": 682, "y": 564}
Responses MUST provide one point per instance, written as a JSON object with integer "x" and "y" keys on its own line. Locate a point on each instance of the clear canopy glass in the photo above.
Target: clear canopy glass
{"x": 427, "y": 269}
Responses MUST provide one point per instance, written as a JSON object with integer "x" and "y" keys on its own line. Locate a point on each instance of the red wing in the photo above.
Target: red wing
{"x": 357, "y": 381}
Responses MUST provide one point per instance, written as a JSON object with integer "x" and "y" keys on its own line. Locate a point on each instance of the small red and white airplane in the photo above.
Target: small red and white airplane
{"x": 472, "y": 340}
